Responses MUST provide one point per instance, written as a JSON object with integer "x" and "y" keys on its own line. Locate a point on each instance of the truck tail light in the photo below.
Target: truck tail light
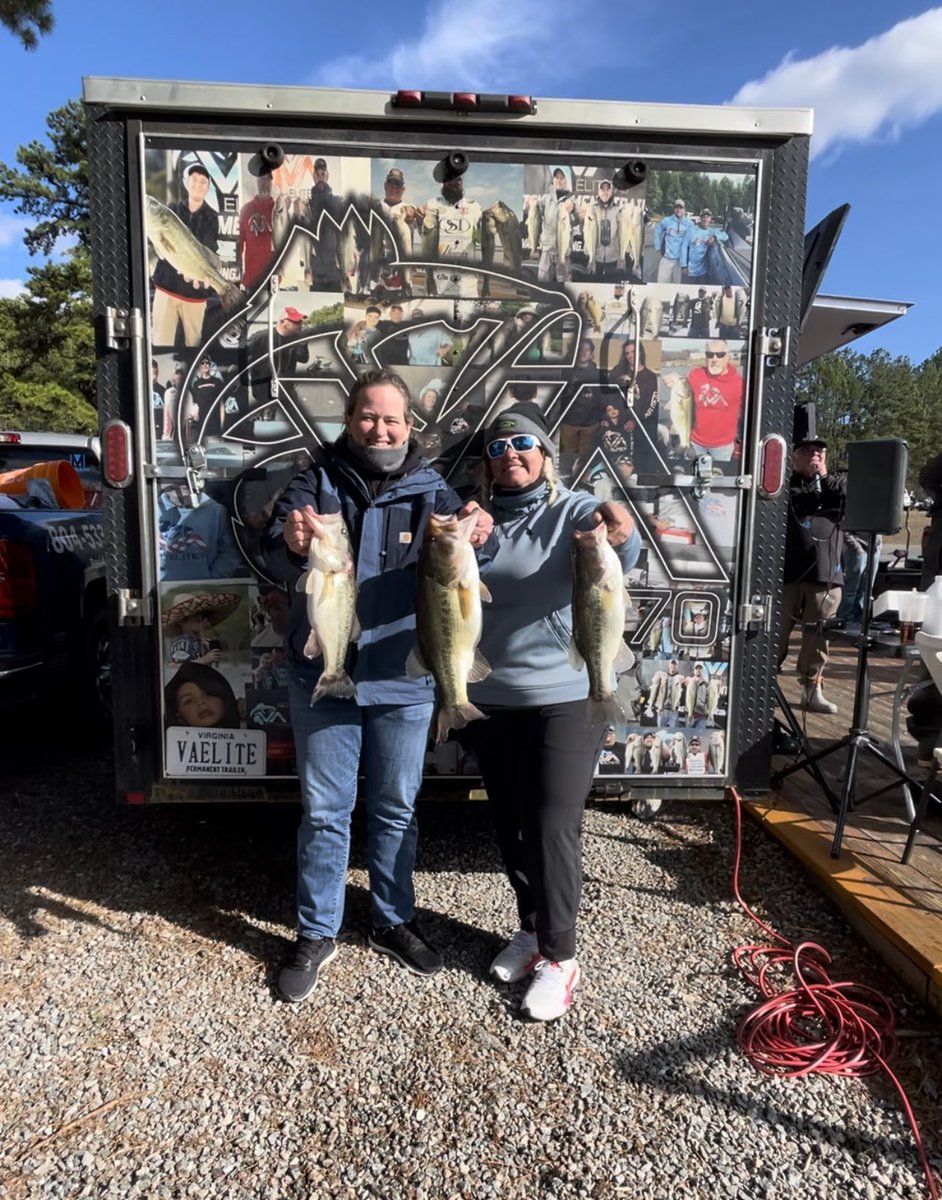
{"x": 10, "y": 439}
{"x": 117, "y": 464}
{"x": 772, "y": 459}
{"x": 17, "y": 580}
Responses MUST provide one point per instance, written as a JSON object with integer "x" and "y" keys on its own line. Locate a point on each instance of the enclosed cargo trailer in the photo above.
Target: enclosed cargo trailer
{"x": 255, "y": 248}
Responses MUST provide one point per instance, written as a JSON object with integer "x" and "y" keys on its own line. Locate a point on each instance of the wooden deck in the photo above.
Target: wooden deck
{"x": 896, "y": 908}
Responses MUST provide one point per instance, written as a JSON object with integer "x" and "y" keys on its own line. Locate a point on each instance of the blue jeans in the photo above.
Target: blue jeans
{"x": 331, "y": 736}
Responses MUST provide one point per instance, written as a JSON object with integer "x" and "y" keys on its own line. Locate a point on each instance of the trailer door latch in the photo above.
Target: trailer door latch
{"x": 756, "y": 615}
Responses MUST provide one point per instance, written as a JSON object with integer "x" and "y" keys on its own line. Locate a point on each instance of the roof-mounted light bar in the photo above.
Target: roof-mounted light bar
{"x": 465, "y": 102}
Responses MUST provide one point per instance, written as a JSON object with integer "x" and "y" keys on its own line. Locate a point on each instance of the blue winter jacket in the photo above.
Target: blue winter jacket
{"x": 528, "y": 624}
{"x": 386, "y": 531}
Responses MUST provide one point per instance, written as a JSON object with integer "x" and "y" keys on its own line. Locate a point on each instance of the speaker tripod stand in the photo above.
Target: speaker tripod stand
{"x": 858, "y": 740}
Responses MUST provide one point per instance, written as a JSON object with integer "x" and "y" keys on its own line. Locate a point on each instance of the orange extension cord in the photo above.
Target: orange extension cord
{"x": 819, "y": 1026}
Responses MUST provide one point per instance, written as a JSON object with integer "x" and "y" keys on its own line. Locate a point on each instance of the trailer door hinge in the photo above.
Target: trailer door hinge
{"x": 133, "y": 609}
{"x": 121, "y": 325}
{"x": 757, "y": 614}
{"x": 775, "y": 346}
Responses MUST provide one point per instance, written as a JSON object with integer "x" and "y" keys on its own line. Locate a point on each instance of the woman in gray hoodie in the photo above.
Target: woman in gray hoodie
{"x": 537, "y": 754}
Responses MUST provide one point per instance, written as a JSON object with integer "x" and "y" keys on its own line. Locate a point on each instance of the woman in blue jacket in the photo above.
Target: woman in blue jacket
{"x": 376, "y": 477}
{"x": 537, "y": 754}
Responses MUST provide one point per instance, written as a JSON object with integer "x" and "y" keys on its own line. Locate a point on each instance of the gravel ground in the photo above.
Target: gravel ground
{"x": 142, "y": 1052}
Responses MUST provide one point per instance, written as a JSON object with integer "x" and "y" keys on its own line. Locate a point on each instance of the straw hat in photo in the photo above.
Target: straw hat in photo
{"x": 218, "y": 605}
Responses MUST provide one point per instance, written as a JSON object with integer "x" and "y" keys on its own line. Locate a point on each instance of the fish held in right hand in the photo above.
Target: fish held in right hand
{"x": 330, "y": 586}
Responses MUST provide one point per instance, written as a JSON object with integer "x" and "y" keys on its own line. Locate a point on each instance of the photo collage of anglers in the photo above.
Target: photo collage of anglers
{"x": 623, "y": 312}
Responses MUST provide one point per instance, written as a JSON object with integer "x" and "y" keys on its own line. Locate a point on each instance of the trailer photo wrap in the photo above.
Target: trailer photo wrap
{"x": 623, "y": 312}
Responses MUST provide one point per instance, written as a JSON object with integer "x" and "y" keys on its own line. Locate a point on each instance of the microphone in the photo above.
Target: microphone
{"x": 816, "y": 484}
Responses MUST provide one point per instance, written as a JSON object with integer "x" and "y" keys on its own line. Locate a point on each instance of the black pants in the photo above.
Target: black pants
{"x": 537, "y": 766}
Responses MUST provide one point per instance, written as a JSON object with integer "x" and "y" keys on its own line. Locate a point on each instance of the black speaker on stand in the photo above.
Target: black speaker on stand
{"x": 876, "y": 479}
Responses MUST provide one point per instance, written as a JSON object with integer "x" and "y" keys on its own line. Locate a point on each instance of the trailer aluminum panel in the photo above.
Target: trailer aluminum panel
{"x": 657, "y": 344}
{"x": 274, "y": 101}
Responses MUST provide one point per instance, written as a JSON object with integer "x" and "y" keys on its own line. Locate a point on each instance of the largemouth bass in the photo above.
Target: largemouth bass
{"x": 349, "y": 254}
{"x": 631, "y": 232}
{"x": 403, "y": 217}
{"x": 534, "y": 225}
{"x": 680, "y": 408}
{"x": 590, "y": 236}
{"x": 449, "y": 620}
{"x": 174, "y": 243}
{"x": 429, "y": 235}
{"x": 501, "y": 221}
{"x": 652, "y": 313}
{"x": 599, "y": 601}
{"x": 330, "y": 585}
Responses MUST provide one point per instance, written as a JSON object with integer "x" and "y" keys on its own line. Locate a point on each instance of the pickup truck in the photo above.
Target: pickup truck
{"x": 53, "y": 618}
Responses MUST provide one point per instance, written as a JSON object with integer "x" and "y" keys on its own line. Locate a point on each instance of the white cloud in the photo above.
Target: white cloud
{"x": 10, "y": 288}
{"x": 879, "y": 88}
{"x": 11, "y": 229}
{"x": 485, "y": 45}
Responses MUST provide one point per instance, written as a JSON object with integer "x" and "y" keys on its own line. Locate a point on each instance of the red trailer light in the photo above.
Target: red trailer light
{"x": 10, "y": 439}
{"x": 521, "y": 104}
{"x": 17, "y": 580}
{"x": 117, "y": 465}
{"x": 465, "y": 100}
{"x": 407, "y": 99}
{"x": 772, "y": 461}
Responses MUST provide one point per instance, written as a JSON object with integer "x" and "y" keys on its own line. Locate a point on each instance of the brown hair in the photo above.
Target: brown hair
{"x": 374, "y": 378}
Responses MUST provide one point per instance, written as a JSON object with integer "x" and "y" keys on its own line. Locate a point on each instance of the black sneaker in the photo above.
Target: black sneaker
{"x": 298, "y": 977}
{"x": 406, "y": 945}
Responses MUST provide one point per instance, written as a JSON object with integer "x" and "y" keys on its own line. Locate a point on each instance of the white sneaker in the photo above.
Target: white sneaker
{"x": 814, "y": 700}
{"x": 518, "y": 958}
{"x": 550, "y": 994}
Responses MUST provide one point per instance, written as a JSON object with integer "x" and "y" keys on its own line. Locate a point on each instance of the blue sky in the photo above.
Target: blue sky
{"x": 871, "y": 72}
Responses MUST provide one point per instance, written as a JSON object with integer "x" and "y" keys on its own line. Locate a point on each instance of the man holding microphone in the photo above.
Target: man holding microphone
{"x": 812, "y": 586}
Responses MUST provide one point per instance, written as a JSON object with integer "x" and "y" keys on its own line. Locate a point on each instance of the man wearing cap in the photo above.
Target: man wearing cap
{"x": 204, "y": 390}
{"x": 812, "y": 582}
{"x": 669, "y": 234}
{"x": 700, "y": 315}
{"x": 717, "y": 389}
{"x": 288, "y": 351}
{"x": 451, "y": 229}
{"x": 700, "y": 238}
{"x": 325, "y": 254}
{"x": 557, "y": 219}
{"x": 255, "y": 246}
{"x": 177, "y": 300}
{"x": 731, "y": 312}
{"x": 601, "y": 229}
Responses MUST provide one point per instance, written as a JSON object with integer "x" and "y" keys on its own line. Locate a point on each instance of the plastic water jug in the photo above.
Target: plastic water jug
{"x": 932, "y": 622}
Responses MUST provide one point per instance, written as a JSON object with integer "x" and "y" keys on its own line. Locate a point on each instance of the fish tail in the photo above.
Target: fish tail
{"x": 603, "y": 711}
{"x": 339, "y": 685}
{"x": 455, "y": 716}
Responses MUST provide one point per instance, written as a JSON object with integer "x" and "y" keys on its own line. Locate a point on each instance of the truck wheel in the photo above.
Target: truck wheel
{"x": 96, "y": 672}
{"x": 645, "y": 807}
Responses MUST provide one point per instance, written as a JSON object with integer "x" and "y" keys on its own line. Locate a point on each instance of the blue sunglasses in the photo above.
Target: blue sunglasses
{"x": 521, "y": 442}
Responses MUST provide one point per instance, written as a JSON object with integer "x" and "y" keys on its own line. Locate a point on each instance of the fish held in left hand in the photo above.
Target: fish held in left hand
{"x": 449, "y": 620}
{"x": 599, "y": 602}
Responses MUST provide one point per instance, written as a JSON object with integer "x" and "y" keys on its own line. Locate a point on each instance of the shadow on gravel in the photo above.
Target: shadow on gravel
{"x": 70, "y": 852}
{"x": 675, "y": 1067}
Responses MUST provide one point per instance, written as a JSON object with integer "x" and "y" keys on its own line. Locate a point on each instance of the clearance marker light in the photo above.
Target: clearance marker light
{"x": 465, "y": 101}
{"x": 772, "y": 466}
{"x": 116, "y": 462}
